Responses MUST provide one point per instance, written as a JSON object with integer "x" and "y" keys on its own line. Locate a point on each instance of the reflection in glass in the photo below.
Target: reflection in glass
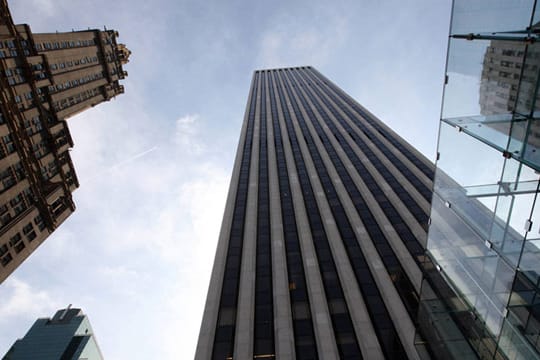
{"x": 484, "y": 237}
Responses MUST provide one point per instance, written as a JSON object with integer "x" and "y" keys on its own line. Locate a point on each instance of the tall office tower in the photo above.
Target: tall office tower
{"x": 323, "y": 234}
{"x": 66, "y": 336}
{"x": 483, "y": 249}
{"x": 44, "y": 79}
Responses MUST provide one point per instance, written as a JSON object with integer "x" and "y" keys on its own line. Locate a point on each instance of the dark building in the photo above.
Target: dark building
{"x": 323, "y": 236}
{"x": 44, "y": 79}
{"x": 66, "y": 336}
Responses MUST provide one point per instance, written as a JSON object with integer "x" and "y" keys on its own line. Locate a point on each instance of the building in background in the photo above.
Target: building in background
{"x": 481, "y": 296}
{"x": 66, "y": 336}
{"x": 45, "y": 79}
{"x": 323, "y": 236}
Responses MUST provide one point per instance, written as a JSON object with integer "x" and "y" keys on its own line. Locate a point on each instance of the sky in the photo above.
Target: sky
{"x": 154, "y": 163}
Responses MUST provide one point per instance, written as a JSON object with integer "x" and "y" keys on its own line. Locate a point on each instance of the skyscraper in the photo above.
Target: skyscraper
{"x": 322, "y": 241}
{"x": 66, "y": 336}
{"x": 44, "y": 79}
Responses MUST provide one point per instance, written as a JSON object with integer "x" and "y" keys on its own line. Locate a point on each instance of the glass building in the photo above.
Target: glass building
{"x": 66, "y": 336}
{"x": 481, "y": 298}
{"x": 322, "y": 241}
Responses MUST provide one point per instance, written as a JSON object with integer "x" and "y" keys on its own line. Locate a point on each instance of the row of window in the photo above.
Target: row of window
{"x": 70, "y": 63}
{"x": 7, "y": 147}
{"x": 12, "y": 53}
{"x": 55, "y": 45}
{"x": 10, "y": 44}
{"x": 73, "y": 83}
{"x": 76, "y": 99}
{"x": 16, "y": 241}
{"x": 49, "y": 171}
{"x": 32, "y": 126}
{"x": 29, "y": 99}
{"x": 14, "y": 76}
{"x": 11, "y": 175}
{"x": 15, "y": 206}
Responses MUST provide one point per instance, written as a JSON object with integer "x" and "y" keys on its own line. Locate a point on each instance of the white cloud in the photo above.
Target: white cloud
{"x": 187, "y": 134}
{"x": 22, "y": 300}
{"x": 44, "y": 7}
{"x": 290, "y": 43}
{"x": 140, "y": 246}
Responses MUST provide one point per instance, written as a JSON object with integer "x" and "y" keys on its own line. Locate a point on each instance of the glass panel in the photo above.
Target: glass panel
{"x": 458, "y": 170}
{"x": 530, "y": 259}
{"x": 478, "y": 273}
{"x": 464, "y": 71}
{"x": 484, "y": 236}
{"x": 481, "y": 16}
{"x": 517, "y": 193}
{"x": 493, "y": 130}
{"x": 512, "y": 342}
{"x": 492, "y": 92}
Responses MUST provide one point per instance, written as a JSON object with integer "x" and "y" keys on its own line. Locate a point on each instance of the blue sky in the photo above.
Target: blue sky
{"x": 154, "y": 163}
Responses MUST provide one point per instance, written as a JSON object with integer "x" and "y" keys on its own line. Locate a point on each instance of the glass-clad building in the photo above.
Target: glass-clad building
{"x": 481, "y": 297}
{"x": 66, "y": 336}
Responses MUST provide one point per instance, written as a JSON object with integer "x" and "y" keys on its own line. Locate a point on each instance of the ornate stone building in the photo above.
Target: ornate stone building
{"x": 45, "y": 79}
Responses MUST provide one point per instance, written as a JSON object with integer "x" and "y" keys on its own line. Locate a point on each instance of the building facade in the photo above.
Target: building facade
{"x": 483, "y": 250}
{"x": 66, "y": 336}
{"x": 45, "y": 79}
{"x": 322, "y": 242}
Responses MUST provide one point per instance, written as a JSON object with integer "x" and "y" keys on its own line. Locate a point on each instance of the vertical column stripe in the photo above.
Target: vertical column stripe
{"x": 264, "y": 313}
{"x": 304, "y": 336}
{"x": 224, "y": 337}
{"x": 420, "y": 184}
{"x": 373, "y": 227}
{"x": 210, "y": 316}
{"x": 322, "y": 324}
{"x": 341, "y": 320}
{"x": 407, "y": 236}
{"x": 418, "y": 161}
{"x": 382, "y": 322}
{"x": 324, "y": 230}
{"x": 244, "y": 337}
{"x": 284, "y": 333}
{"x": 387, "y": 334}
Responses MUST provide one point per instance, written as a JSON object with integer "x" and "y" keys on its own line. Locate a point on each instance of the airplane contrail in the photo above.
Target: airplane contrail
{"x": 133, "y": 158}
{"x": 121, "y": 163}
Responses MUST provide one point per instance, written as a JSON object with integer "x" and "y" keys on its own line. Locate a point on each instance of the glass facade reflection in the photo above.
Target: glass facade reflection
{"x": 66, "y": 336}
{"x": 483, "y": 263}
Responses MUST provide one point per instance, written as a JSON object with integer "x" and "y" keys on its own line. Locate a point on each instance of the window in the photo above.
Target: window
{"x": 6, "y": 259}
{"x": 38, "y": 220}
{"x": 28, "y": 230}
{"x": 15, "y": 239}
